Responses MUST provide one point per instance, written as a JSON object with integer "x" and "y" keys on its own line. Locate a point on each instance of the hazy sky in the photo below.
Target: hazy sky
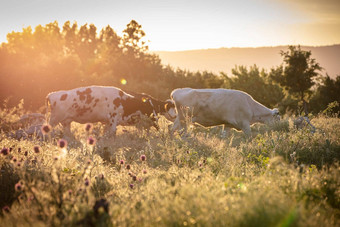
{"x": 190, "y": 24}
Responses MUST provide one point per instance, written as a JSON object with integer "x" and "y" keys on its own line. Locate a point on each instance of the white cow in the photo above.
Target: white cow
{"x": 109, "y": 105}
{"x": 212, "y": 107}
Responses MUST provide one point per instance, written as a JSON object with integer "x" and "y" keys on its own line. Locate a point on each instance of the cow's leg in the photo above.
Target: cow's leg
{"x": 225, "y": 131}
{"x": 177, "y": 125}
{"x": 112, "y": 129}
{"x": 245, "y": 127}
{"x": 67, "y": 129}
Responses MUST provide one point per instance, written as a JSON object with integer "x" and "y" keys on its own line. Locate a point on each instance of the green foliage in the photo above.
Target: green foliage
{"x": 298, "y": 73}
{"x": 256, "y": 83}
{"x": 326, "y": 96}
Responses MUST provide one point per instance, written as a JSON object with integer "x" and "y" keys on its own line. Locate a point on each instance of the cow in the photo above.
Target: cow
{"x": 109, "y": 105}
{"x": 212, "y": 107}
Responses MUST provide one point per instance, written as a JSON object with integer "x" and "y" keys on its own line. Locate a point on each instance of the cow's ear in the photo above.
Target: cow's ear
{"x": 166, "y": 106}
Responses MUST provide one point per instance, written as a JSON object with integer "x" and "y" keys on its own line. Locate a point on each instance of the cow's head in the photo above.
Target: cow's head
{"x": 276, "y": 114}
{"x": 170, "y": 110}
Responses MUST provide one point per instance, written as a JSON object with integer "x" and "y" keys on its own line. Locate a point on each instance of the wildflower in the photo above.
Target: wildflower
{"x": 26, "y": 153}
{"x": 4, "y": 151}
{"x": 87, "y": 182}
{"x": 62, "y": 143}
{"x": 36, "y": 149}
{"x": 14, "y": 159}
{"x": 91, "y": 141}
{"x": 55, "y": 158}
{"x": 69, "y": 192}
{"x": 143, "y": 158}
{"x": 19, "y": 164}
{"x": 134, "y": 178}
{"x": 128, "y": 166}
{"x": 19, "y": 149}
{"x": 145, "y": 171}
{"x": 6, "y": 209}
{"x": 45, "y": 129}
{"x": 131, "y": 186}
{"x": 10, "y": 149}
{"x": 88, "y": 127}
{"x": 121, "y": 162}
{"x": 18, "y": 187}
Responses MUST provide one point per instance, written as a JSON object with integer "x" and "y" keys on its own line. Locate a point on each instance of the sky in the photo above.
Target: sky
{"x": 175, "y": 25}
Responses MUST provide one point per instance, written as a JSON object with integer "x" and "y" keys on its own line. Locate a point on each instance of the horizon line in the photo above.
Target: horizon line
{"x": 245, "y": 47}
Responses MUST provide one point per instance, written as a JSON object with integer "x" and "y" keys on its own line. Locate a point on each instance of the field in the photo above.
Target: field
{"x": 280, "y": 176}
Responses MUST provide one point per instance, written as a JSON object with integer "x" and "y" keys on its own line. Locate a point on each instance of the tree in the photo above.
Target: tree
{"x": 326, "y": 93}
{"x": 299, "y": 72}
{"x": 256, "y": 83}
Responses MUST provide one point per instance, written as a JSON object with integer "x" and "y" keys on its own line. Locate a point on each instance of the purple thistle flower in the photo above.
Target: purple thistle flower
{"x": 134, "y": 178}
{"x": 26, "y": 153}
{"x": 121, "y": 162}
{"x": 45, "y": 129}
{"x": 145, "y": 171}
{"x": 19, "y": 164}
{"x": 143, "y": 158}
{"x": 88, "y": 127}
{"x": 6, "y": 209}
{"x": 19, "y": 149}
{"x": 36, "y": 149}
{"x": 14, "y": 159}
{"x": 91, "y": 141}
{"x": 87, "y": 182}
{"x": 62, "y": 143}
{"x": 4, "y": 151}
{"x": 131, "y": 186}
{"x": 128, "y": 166}
{"x": 18, "y": 187}
{"x": 10, "y": 149}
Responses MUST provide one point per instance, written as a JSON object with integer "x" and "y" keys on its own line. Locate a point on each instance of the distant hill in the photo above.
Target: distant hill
{"x": 224, "y": 59}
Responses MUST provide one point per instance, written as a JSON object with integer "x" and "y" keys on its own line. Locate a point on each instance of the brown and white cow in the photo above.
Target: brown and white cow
{"x": 212, "y": 107}
{"x": 109, "y": 105}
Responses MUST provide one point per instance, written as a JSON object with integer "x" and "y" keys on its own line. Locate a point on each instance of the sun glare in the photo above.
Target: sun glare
{"x": 123, "y": 81}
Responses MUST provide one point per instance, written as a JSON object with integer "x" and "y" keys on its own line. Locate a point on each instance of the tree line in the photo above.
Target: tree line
{"x": 50, "y": 58}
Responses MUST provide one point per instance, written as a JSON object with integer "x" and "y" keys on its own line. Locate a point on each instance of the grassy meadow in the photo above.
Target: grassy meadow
{"x": 280, "y": 176}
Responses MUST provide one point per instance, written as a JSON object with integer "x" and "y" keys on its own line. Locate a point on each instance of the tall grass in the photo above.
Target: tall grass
{"x": 279, "y": 177}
